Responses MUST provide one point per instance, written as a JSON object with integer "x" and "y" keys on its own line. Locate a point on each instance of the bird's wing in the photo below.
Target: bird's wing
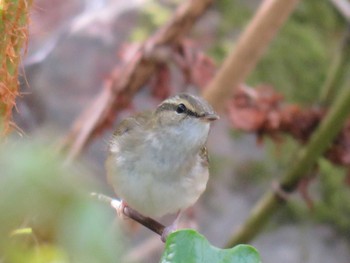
{"x": 124, "y": 128}
{"x": 130, "y": 123}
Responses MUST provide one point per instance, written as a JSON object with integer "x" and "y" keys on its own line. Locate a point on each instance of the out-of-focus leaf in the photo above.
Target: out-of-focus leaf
{"x": 39, "y": 192}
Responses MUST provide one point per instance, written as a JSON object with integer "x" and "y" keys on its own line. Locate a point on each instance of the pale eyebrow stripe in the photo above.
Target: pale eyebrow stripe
{"x": 173, "y": 107}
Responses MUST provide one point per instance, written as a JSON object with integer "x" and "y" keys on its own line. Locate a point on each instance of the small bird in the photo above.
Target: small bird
{"x": 158, "y": 161}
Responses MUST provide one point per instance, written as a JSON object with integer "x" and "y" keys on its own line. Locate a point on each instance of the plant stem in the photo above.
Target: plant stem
{"x": 306, "y": 158}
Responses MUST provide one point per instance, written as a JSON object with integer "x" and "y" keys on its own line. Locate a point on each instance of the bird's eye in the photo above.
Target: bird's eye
{"x": 181, "y": 108}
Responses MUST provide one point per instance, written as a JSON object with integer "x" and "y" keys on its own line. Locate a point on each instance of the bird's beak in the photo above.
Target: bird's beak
{"x": 210, "y": 117}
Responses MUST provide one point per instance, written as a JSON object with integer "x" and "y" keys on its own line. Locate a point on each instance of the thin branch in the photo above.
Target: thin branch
{"x": 250, "y": 47}
{"x": 119, "y": 91}
{"x": 306, "y": 158}
{"x": 147, "y": 222}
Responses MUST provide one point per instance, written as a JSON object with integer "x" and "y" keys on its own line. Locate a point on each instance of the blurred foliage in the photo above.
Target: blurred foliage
{"x": 153, "y": 15}
{"x": 328, "y": 189}
{"x": 334, "y": 206}
{"x": 311, "y": 36}
{"x": 296, "y": 64}
{"x": 234, "y": 13}
{"x": 297, "y": 61}
{"x": 331, "y": 205}
{"x": 47, "y": 213}
{"x": 234, "y": 16}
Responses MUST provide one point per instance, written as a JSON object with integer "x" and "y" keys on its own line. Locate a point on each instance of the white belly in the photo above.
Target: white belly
{"x": 156, "y": 184}
{"x": 155, "y": 194}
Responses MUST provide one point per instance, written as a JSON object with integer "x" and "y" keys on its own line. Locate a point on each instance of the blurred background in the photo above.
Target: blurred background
{"x": 75, "y": 47}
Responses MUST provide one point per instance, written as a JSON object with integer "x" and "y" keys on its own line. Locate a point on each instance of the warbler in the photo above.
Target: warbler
{"x": 158, "y": 161}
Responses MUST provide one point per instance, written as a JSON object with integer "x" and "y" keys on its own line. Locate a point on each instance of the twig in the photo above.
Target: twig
{"x": 119, "y": 91}
{"x": 147, "y": 222}
{"x": 306, "y": 158}
{"x": 250, "y": 47}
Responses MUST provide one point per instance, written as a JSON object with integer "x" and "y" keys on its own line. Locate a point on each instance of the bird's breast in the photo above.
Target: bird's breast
{"x": 161, "y": 172}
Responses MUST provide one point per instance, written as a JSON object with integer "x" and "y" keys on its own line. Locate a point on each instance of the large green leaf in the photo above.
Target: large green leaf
{"x": 187, "y": 246}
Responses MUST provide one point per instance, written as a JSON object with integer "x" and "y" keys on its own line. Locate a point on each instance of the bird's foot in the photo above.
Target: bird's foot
{"x": 167, "y": 231}
{"x": 119, "y": 206}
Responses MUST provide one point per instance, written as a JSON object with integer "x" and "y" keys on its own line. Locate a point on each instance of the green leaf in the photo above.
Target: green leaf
{"x": 187, "y": 246}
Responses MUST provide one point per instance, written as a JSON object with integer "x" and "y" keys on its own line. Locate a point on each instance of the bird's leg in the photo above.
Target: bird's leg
{"x": 119, "y": 207}
{"x": 172, "y": 227}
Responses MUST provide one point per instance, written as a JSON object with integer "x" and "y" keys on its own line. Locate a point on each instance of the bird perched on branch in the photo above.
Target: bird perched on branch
{"x": 158, "y": 162}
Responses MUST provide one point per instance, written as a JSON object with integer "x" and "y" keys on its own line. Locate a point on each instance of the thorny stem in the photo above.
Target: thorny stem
{"x": 13, "y": 36}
